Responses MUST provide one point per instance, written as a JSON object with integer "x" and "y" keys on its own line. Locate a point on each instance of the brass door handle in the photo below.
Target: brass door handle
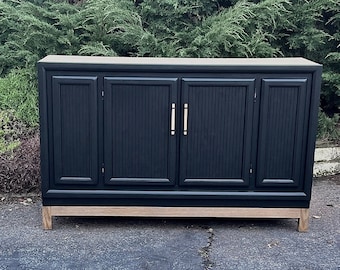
{"x": 185, "y": 119}
{"x": 173, "y": 119}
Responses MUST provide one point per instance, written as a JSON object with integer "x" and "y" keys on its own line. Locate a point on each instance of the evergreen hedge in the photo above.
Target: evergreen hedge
{"x": 31, "y": 29}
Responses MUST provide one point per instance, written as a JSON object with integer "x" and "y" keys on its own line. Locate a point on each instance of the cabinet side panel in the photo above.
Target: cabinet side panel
{"x": 75, "y": 130}
{"x": 312, "y": 129}
{"x": 43, "y": 116}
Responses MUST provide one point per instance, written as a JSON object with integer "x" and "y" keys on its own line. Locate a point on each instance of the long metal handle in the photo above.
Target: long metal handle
{"x": 185, "y": 119}
{"x": 173, "y": 119}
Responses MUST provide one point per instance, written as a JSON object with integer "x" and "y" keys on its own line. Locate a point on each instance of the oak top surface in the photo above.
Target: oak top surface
{"x": 284, "y": 61}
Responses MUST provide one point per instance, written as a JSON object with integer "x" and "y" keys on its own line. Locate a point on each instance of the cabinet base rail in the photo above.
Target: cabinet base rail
{"x": 48, "y": 212}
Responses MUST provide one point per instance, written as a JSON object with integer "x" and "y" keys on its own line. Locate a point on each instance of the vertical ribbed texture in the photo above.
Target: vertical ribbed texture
{"x": 216, "y": 131}
{"x": 140, "y": 115}
{"x": 75, "y": 130}
{"x": 281, "y": 131}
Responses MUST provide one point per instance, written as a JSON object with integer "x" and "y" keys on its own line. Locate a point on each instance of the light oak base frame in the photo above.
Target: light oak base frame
{"x": 48, "y": 212}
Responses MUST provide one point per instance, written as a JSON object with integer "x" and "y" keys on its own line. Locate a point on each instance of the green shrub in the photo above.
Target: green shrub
{"x": 109, "y": 27}
{"x": 328, "y": 128}
{"x": 204, "y": 28}
{"x": 30, "y": 31}
{"x": 7, "y": 140}
{"x": 18, "y": 93}
{"x": 12, "y": 131}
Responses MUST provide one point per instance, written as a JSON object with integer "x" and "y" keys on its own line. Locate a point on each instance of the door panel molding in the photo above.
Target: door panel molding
{"x": 217, "y": 148}
{"x": 281, "y": 145}
{"x": 75, "y": 127}
{"x": 139, "y": 147}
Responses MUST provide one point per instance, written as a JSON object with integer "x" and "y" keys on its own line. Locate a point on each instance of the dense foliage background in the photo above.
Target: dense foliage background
{"x": 29, "y": 30}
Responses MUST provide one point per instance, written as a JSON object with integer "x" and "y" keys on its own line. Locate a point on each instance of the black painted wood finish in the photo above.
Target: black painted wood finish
{"x": 281, "y": 145}
{"x": 216, "y": 150}
{"x": 138, "y": 145}
{"x": 75, "y": 134}
{"x": 117, "y": 133}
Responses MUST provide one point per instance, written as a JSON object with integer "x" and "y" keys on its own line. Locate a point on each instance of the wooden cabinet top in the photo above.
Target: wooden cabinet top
{"x": 286, "y": 62}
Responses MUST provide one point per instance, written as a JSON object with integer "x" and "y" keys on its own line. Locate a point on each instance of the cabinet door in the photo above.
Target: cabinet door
{"x": 75, "y": 135}
{"x": 216, "y": 148}
{"x": 139, "y": 146}
{"x": 282, "y": 142}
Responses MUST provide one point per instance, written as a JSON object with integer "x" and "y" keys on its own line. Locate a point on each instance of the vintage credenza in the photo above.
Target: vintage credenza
{"x": 177, "y": 137}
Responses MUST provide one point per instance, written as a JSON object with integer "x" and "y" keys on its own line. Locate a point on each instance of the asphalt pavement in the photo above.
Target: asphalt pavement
{"x": 160, "y": 244}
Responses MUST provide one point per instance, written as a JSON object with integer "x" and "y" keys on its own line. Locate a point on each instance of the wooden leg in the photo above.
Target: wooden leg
{"x": 47, "y": 218}
{"x": 303, "y": 220}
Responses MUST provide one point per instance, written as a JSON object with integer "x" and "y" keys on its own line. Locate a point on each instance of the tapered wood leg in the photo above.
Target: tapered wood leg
{"x": 47, "y": 218}
{"x": 303, "y": 220}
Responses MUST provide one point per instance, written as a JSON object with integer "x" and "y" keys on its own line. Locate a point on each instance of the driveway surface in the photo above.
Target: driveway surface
{"x": 160, "y": 244}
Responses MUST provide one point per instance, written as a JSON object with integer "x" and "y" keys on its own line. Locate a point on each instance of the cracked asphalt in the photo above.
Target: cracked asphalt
{"x": 135, "y": 243}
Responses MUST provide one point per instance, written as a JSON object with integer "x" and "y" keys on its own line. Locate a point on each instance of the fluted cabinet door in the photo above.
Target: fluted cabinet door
{"x": 140, "y": 148}
{"x": 217, "y": 123}
{"x": 75, "y": 129}
{"x": 282, "y": 132}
